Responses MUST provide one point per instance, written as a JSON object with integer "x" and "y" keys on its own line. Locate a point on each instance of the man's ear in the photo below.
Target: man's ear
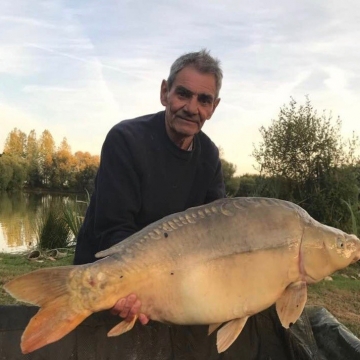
{"x": 216, "y": 103}
{"x": 164, "y": 93}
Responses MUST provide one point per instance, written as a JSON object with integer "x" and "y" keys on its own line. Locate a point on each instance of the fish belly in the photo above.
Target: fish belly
{"x": 221, "y": 289}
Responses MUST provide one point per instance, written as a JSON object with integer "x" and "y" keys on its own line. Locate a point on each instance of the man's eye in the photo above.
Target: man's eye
{"x": 182, "y": 93}
{"x": 205, "y": 100}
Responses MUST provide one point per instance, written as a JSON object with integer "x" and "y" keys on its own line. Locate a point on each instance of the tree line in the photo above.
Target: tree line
{"x": 33, "y": 163}
{"x": 303, "y": 158}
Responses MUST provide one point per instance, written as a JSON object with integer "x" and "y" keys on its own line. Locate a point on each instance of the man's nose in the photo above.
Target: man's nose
{"x": 192, "y": 105}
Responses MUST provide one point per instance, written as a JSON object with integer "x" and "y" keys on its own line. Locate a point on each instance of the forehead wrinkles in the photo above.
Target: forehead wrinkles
{"x": 196, "y": 82}
{"x": 191, "y": 93}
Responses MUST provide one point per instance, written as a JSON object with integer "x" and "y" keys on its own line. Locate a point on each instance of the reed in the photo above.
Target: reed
{"x": 73, "y": 214}
{"x": 354, "y": 226}
{"x": 51, "y": 229}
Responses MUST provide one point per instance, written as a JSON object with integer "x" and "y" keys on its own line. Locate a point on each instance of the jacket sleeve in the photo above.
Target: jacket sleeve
{"x": 117, "y": 191}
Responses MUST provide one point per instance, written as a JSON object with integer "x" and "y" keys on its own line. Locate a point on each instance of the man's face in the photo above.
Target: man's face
{"x": 189, "y": 103}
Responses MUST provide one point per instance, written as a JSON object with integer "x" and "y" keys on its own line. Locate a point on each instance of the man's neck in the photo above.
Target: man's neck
{"x": 183, "y": 142}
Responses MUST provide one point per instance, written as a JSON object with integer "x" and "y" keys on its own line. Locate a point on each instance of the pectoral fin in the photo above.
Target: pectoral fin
{"x": 229, "y": 332}
{"x": 291, "y": 303}
{"x": 122, "y": 327}
{"x": 213, "y": 327}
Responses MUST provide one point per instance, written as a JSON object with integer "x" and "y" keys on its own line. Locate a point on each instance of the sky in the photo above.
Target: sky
{"x": 78, "y": 67}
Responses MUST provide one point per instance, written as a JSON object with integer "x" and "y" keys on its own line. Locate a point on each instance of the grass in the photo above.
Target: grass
{"x": 341, "y": 297}
{"x": 12, "y": 265}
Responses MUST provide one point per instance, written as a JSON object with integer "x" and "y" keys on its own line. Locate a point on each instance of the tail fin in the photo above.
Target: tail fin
{"x": 47, "y": 288}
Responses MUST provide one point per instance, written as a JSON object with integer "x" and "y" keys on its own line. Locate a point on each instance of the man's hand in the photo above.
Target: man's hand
{"x": 128, "y": 307}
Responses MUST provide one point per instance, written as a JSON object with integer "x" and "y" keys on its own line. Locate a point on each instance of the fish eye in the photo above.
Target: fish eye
{"x": 340, "y": 243}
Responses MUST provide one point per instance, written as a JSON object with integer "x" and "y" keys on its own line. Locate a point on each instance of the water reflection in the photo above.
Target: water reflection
{"x": 18, "y": 215}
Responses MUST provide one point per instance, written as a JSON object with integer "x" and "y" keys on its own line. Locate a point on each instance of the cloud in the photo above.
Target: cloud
{"x": 27, "y": 21}
{"x": 77, "y": 68}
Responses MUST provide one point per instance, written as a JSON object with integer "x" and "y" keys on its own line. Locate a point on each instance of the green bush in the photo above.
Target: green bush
{"x": 52, "y": 230}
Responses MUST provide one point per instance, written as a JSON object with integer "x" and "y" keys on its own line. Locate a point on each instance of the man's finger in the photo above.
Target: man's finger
{"x": 135, "y": 308}
{"x": 143, "y": 319}
{"x": 123, "y": 306}
{"x": 118, "y": 307}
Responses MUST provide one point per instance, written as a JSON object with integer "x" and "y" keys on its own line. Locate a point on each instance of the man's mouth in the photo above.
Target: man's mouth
{"x": 189, "y": 120}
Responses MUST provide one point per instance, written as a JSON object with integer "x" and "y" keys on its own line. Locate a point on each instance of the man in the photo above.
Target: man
{"x": 157, "y": 164}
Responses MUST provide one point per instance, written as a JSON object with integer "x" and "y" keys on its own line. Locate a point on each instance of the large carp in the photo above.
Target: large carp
{"x": 213, "y": 264}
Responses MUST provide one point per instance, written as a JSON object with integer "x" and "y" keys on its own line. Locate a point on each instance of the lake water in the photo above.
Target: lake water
{"x": 19, "y": 213}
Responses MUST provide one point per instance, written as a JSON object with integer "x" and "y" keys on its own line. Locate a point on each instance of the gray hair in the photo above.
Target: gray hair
{"x": 202, "y": 61}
